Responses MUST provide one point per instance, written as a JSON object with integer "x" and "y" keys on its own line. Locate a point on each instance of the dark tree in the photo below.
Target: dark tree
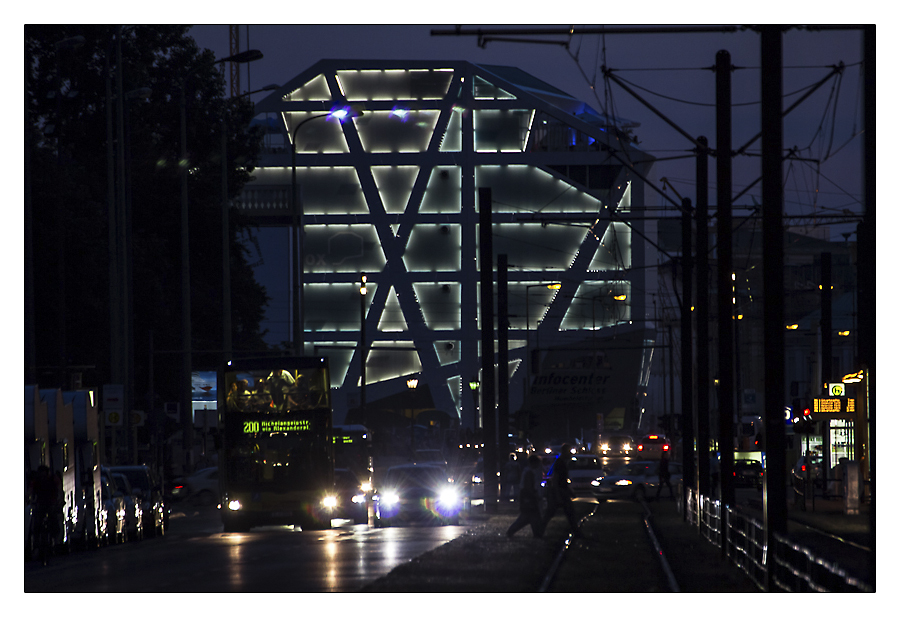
{"x": 68, "y": 167}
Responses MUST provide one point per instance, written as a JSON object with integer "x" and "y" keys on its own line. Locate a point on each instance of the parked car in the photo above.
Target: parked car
{"x": 156, "y": 512}
{"x": 652, "y": 447}
{"x": 201, "y": 488}
{"x": 616, "y": 445}
{"x": 351, "y": 497}
{"x": 422, "y": 493}
{"x": 114, "y": 505}
{"x": 134, "y": 516}
{"x": 748, "y": 473}
{"x": 634, "y": 480}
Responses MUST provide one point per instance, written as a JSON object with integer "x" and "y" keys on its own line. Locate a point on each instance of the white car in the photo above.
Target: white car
{"x": 634, "y": 480}
{"x": 202, "y": 487}
{"x": 653, "y": 446}
{"x": 583, "y": 468}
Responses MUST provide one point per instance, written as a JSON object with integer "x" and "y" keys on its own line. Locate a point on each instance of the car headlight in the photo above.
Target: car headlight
{"x": 330, "y": 501}
{"x": 448, "y": 496}
{"x": 358, "y": 499}
{"x": 366, "y": 487}
{"x": 605, "y": 446}
{"x": 596, "y": 482}
{"x": 390, "y": 498}
{"x": 234, "y": 505}
{"x": 623, "y": 482}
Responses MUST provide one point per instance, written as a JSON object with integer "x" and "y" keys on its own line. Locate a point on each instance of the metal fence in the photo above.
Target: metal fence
{"x": 794, "y": 567}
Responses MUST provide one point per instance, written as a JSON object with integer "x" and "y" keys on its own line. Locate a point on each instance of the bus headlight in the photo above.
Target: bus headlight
{"x": 330, "y": 501}
{"x": 234, "y": 505}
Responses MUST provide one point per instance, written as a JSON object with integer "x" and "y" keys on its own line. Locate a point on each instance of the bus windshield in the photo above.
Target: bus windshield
{"x": 277, "y": 456}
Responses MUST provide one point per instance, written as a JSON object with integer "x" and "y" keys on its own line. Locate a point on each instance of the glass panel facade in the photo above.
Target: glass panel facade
{"x": 342, "y": 248}
{"x": 318, "y": 134}
{"x": 385, "y": 131}
{"x": 433, "y": 248}
{"x": 394, "y": 84}
{"x": 527, "y": 189}
{"x": 395, "y": 184}
{"x": 502, "y": 130}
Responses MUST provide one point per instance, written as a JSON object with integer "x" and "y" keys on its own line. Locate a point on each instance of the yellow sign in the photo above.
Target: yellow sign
{"x": 836, "y": 389}
{"x": 834, "y": 405}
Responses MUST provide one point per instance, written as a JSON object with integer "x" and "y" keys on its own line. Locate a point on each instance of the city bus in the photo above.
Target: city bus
{"x": 276, "y": 460}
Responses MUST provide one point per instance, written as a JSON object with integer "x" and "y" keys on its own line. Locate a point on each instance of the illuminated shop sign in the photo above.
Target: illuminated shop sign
{"x": 834, "y": 405}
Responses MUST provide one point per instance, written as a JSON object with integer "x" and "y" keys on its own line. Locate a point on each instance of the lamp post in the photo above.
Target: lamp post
{"x": 411, "y": 383}
{"x": 187, "y": 416}
{"x": 297, "y": 313}
{"x": 528, "y": 288}
{"x": 362, "y": 354}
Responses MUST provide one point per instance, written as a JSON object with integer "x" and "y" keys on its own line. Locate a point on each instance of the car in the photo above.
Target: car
{"x": 417, "y": 493}
{"x": 114, "y": 506}
{"x": 134, "y": 516}
{"x": 616, "y": 445}
{"x": 582, "y": 469}
{"x": 633, "y": 480}
{"x": 351, "y": 497}
{"x": 156, "y": 511}
{"x": 201, "y": 488}
{"x": 653, "y": 446}
{"x": 748, "y": 472}
{"x": 806, "y": 466}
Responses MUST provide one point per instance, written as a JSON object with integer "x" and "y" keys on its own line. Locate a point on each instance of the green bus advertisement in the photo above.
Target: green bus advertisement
{"x": 276, "y": 463}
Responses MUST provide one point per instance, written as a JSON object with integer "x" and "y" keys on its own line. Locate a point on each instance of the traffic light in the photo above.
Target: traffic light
{"x": 802, "y": 420}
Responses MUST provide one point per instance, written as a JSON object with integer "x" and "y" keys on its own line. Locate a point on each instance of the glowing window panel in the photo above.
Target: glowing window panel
{"x": 342, "y": 248}
{"x": 322, "y": 190}
{"x": 486, "y": 90}
{"x": 595, "y": 306}
{"x": 392, "y": 319}
{"x": 529, "y": 299}
{"x": 502, "y": 130}
{"x": 339, "y": 359}
{"x": 439, "y": 303}
{"x": 433, "y": 248}
{"x": 448, "y": 352}
{"x": 614, "y": 249}
{"x": 383, "y": 131}
{"x": 395, "y": 184}
{"x": 319, "y": 133}
{"x": 443, "y": 195}
{"x": 333, "y": 307}
{"x": 523, "y": 188}
{"x": 316, "y": 89}
{"x": 391, "y": 360}
{"x": 395, "y": 84}
{"x": 452, "y": 140}
{"x": 534, "y": 247}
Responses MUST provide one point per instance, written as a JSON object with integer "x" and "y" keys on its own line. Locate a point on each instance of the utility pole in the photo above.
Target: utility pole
{"x": 726, "y": 284}
{"x": 502, "y": 359}
{"x": 703, "y": 479}
{"x": 775, "y": 489}
{"x": 687, "y": 354}
{"x": 488, "y": 413}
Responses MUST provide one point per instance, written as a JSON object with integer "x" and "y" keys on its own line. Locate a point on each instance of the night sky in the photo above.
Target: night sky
{"x": 669, "y": 71}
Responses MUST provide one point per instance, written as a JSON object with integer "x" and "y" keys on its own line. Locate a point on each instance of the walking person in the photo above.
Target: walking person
{"x": 529, "y": 500}
{"x": 664, "y": 476}
{"x": 559, "y": 493}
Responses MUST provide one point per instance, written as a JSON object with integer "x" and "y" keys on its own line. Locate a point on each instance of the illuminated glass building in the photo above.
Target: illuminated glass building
{"x": 393, "y": 193}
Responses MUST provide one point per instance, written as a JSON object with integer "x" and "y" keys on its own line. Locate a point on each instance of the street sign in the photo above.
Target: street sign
{"x": 114, "y": 418}
{"x": 114, "y": 404}
{"x": 138, "y": 417}
{"x": 836, "y": 389}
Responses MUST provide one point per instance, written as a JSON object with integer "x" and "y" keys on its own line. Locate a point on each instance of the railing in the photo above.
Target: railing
{"x": 794, "y": 567}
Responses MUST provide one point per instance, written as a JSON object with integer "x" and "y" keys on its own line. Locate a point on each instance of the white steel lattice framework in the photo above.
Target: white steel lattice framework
{"x": 393, "y": 193}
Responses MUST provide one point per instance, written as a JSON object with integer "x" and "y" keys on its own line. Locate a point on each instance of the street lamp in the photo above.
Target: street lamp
{"x": 362, "y": 352}
{"x": 340, "y": 114}
{"x": 187, "y": 416}
{"x": 411, "y": 383}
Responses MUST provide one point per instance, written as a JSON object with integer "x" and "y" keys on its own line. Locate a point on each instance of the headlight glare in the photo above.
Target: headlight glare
{"x": 234, "y": 505}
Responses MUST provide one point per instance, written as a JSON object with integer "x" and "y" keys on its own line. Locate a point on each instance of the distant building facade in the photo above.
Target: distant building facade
{"x": 392, "y": 192}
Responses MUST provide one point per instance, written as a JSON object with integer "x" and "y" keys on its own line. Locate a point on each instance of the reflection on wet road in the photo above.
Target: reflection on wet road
{"x": 267, "y": 559}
